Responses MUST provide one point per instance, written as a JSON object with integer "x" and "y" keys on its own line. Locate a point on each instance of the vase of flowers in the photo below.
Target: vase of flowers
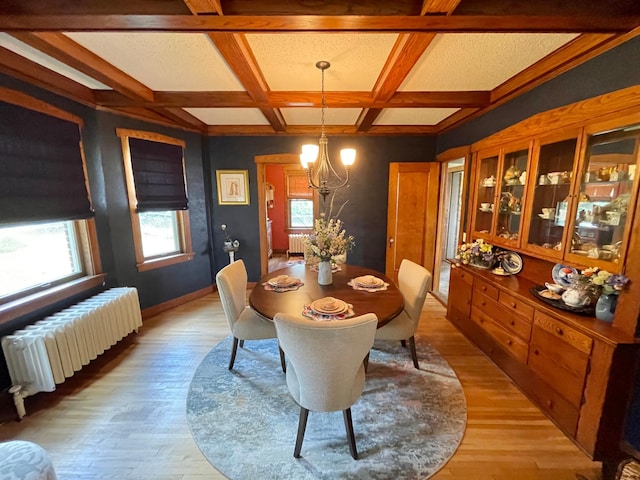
{"x": 612, "y": 285}
{"x": 327, "y": 240}
{"x": 479, "y": 254}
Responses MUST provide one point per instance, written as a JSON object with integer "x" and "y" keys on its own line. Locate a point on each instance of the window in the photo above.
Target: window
{"x": 158, "y": 203}
{"x": 48, "y": 243}
{"x": 38, "y": 256}
{"x": 300, "y": 199}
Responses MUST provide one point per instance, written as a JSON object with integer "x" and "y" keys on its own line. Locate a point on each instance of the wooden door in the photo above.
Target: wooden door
{"x": 412, "y": 215}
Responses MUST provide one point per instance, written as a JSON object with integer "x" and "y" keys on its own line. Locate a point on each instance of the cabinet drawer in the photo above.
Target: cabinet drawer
{"x": 568, "y": 334}
{"x": 562, "y": 367}
{"x": 462, "y": 275}
{"x": 507, "y": 340}
{"x": 516, "y": 324}
{"x": 517, "y": 306}
{"x": 489, "y": 290}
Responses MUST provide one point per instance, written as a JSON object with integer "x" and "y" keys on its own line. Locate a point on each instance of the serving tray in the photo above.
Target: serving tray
{"x": 588, "y": 311}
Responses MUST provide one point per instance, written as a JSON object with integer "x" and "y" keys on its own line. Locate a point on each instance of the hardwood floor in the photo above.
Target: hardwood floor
{"x": 123, "y": 416}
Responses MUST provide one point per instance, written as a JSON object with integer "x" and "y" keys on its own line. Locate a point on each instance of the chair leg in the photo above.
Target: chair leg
{"x": 283, "y": 363}
{"x": 366, "y": 363}
{"x": 234, "y": 349}
{"x": 302, "y": 426}
{"x": 241, "y": 343}
{"x": 403, "y": 343}
{"x": 348, "y": 425}
{"x": 414, "y": 355}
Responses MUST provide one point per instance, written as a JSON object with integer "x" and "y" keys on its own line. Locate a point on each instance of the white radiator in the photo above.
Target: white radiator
{"x": 46, "y": 353}
{"x": 296, "y": 243}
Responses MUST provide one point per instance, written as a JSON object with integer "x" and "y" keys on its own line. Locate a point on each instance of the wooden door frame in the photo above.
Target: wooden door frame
{"x": 261, "y": 162}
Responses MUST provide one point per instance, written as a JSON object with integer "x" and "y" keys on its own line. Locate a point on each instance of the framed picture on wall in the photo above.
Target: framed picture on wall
{"x": 233, "y": 187}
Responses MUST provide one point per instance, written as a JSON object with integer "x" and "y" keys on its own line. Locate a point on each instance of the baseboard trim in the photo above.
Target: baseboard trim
{"x": 175, "y": 302}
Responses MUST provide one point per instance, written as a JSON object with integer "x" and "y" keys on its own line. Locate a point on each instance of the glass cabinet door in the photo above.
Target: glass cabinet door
{"x": 485, "y": 195}
{"x": 604, "y": 206}
{"x": 550, "y": 189}
{"x": 511, "y": 197}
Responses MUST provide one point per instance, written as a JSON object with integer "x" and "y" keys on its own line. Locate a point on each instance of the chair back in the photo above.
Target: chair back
{"x": 414, "y": 282}
{"x": 325, "y": 371}
{"x": 232, "y": 287}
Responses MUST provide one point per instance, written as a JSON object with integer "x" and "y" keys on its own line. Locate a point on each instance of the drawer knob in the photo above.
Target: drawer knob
{"x": 549, "y": 403}
{"x": 513, "y": 304}
{"x": 559, "y": 331}
{"x": 483, "y": 303}
{"x": 512, "y": 322}
{"x": 484, "y": 289}
{"x": 509, "y": 342}
{"x": 536, "y": 352}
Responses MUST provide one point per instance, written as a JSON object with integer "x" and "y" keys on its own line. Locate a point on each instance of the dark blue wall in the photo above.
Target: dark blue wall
{"x": 365, "y": 214}
{"x": 613, "y": 70}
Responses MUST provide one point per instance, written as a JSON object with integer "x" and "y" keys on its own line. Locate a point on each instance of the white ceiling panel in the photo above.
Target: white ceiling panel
{"x": 288, "y": 60}
{"x": 413, "y": 116}
{"x": 312, "y": 116}
{"x": 478, "y": 61}
{"x": 229, "y": 116}
{"x": 36, "y": 56}
{"x": 164, "y": 61}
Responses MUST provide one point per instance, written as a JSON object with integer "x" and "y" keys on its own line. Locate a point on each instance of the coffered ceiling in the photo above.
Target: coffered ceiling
{"x": 243, "y": 67}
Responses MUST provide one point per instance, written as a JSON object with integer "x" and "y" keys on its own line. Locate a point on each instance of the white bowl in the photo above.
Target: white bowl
{"x": 554, "y": 287}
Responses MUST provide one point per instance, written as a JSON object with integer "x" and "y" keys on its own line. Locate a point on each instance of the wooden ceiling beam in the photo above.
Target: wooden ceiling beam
{"x": 181, "y": 117}
{"x": 295, "y": 99}
{"x": 320, "y": 23}
{"x": 64, "y": 49}
{"x": 238, "y": 55}
{"x": 407, "y": 50}
{"x": 24, "y": 69}
{"x": 204, "y": 6}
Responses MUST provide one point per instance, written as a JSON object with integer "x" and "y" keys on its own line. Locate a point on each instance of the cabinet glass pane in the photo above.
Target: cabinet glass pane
{"x": 551, "y": 194}
{"x": 485, "y": 197}
{"x": 605, "y": 192}
{"x": 511, "y": 194}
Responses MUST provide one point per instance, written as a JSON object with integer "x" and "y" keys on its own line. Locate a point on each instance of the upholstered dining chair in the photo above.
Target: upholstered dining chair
{"x": 325, "y": 371}
{"x": 244, "y": 322}
{"x": 414, "y": 281}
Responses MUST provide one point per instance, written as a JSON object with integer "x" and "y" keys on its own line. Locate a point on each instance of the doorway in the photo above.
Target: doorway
{"x": 452, "y": 184}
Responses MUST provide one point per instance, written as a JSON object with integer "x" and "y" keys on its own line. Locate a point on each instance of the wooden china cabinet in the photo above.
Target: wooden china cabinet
{"x": 559, "y": 188}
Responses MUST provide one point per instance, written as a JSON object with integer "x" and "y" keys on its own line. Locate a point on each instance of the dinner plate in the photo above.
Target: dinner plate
{"x": 562, "y": 275}
{"x": 329, "y": 306}
{"x": 282, "y": 281}
{"x": 511, "y": 263}
{"x": 369, "y": 281}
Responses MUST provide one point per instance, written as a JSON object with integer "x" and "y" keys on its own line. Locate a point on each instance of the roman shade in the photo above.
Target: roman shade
{"x": 41, "y": 171}
{"x": 158, "y": 175}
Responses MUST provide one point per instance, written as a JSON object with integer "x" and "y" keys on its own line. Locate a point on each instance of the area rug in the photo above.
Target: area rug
{"x": 295, "y": 261}
{"x": 407, "y": 423}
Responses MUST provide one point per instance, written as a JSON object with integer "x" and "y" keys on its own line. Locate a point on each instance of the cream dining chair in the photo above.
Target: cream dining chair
{"x": 414, "y": 281}
{"x": 325, "y": 371}
{"x": 244, "y": 322}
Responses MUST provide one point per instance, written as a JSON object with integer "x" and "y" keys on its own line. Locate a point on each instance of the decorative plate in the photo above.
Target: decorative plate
{"x": 368, "y": 281}
{"x": 283, "y": 281}
{"x": 512, "y": 263}
{"x": 500, "y": 271}
{"x": 329, "y": 306}
{"x": 562, "y": 274}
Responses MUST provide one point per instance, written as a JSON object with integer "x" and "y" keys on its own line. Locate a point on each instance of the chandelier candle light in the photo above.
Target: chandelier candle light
{"x": 324, "y": 177}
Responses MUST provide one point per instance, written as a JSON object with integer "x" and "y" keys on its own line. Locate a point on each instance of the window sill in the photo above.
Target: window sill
{"x": 164, "y": 261}
{"x": 31, "y": 303}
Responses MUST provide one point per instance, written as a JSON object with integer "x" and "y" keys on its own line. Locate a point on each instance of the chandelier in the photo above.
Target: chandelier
{"x": 322, "y": 175}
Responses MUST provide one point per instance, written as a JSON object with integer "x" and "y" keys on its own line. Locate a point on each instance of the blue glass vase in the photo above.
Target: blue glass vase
{"x": 606, "y": 306}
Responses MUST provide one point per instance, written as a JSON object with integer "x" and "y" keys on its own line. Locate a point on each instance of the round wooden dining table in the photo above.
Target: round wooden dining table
{"x": 386, "y": 304}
